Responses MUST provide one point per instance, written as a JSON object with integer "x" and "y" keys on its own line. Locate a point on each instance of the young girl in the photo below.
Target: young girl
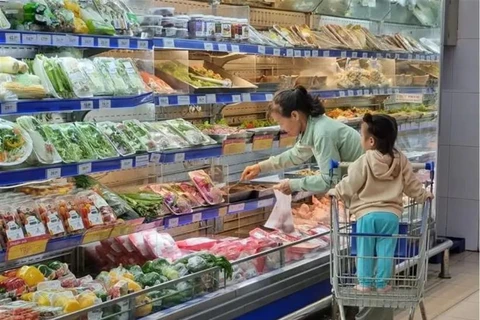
{"x": 373, "y": 190}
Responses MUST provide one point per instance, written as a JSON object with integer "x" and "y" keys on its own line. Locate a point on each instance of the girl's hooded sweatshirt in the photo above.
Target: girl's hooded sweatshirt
{"x": 376, "y": 182}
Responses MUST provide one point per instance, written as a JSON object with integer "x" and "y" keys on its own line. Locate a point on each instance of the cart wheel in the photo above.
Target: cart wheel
{"x": 412, "y": 313}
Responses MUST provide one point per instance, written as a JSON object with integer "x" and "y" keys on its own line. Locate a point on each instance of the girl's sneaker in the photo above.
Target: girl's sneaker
{"x": 361, "y": 288}
{"x": 384, "y": 289}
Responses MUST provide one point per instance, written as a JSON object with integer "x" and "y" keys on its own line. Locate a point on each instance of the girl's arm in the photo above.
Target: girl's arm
{"x": 298, "y": 154}
{"x": 326, "y": 150}
{"x": 351, "y": 184}
{"x": 412, "y": 187}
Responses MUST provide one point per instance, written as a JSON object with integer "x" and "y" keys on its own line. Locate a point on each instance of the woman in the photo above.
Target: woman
{"x": 300, "y": 114}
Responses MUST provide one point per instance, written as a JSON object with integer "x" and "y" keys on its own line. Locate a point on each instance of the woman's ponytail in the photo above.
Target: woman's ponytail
{"x": 297, "y": 99}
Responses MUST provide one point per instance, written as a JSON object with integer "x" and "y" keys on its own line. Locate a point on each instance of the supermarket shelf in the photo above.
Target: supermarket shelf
{"x": 15, "y": 37}
{"x": 187, "y": 99}
{"x": 171, "y": 156}
{"x": 187, "y": 44}
{"x": 62, "y": 105}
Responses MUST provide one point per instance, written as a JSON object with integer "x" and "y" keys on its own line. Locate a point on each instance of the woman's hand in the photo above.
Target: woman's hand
{"x": 250, "y": 172}
{"x": 283, "y": 187}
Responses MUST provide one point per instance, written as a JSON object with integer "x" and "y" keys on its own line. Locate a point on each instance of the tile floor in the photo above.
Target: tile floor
{"x": 456, "y": 298}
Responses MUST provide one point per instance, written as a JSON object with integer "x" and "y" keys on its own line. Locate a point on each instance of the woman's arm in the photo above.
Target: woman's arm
{"x": 295, "y": 156}
{"x": 326, "y": 150}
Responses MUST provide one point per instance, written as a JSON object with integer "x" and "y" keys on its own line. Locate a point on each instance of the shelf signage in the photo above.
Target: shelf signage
{"x": 262, "y": 142}
{"x": 97, "y": 234}
{"x": 233, "y": 146}
{"x": 22, "y": 248}
{"x": 287, "y": 141}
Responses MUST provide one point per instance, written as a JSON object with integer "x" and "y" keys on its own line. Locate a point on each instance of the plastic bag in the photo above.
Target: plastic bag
{"x": 281, "y": 217}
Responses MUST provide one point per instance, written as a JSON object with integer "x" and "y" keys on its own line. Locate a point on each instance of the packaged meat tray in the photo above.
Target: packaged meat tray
{"x": 117, "y": 137}
{"x": 97, "y": 140}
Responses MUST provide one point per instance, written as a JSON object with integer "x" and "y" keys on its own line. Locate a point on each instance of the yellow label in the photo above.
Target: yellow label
{"x": 97, "y": 234}
{"x": 287, "y": 141}
{"x": 262, "y": 142}
{"x": 234, "y": 146}
{"x": 128, "y": 227}
{"x": 26, "y": 247}
{"x": 222, "y": 211}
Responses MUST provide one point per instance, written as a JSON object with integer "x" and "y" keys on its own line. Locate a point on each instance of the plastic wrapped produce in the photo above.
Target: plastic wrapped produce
{"x": 68, "y": 211}
{"x": 174, "y": 202}
{"x": 30, "y": 217}
{"x": 108, "y": 68}
{"x": 204, "y": 184}
{"x": 15, "y": 144}
{"x": 51, "y": 218}
{"x": 139, "y": 130}
{"x": 128, "y": 71}
{"x": 78, "y": 80}
{"x": 69, "y": 142}
{"x": 97, "y": 82}
{"x": 10, "y": 223}
{"x": 97, "y": 140}
{"x": 190, "y": 189}
{"x": 94, "y": 209}
{"x": 133, "y": 140}
{"x": 192, "y": 200}
{"x": 63, "y": 87}
{"x": 121, "y": 208}
{"x": 116, "y": 137}
{"x": 171, "y": 140}
{"x": 189, "y": 132}
{"x": 95, "y": 23}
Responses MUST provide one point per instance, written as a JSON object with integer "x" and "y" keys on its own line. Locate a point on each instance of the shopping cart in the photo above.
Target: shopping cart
{"x": 409, "y": 263}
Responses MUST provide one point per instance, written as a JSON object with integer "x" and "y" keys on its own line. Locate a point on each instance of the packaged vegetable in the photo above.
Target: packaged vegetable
{"x": 94, "y": 209}
{"x": 97, "y": 140}
{"x": 25, "y": 91}
{"x": 63, "y": 87}
{"x": 11, "y": 223}
{"x": 69, "y": 142}
{"x": 12, "y": 66}
{"x": 14, "y": 285}
{"x": 148, "y": 205}
{"x": 31, "y": 275}
{"x": 40, "y": 71}
{"x": 68, "y": 211}
{"x": 174, "y": 202}
{"x": 97, "y": 82}
{"x": 204, "y": 184}
{"x": 47, "y": 272}
{"x": 15, "y": 144}
{"x": 108, "y": 67}
{"x": 121, "y": 208}
{"x": 75, "y": 76}
{"x": 43, "y": 148}
{"x": 156, "y": 84}
{"x": 134, "y": 141}
{"x": 117, "y": 138}
{"x": 95, "y": 23}
{"x": 166, "y": 137}
{"x": 189, "y": 132}
{"x": 142, "y": 134}
{"x": 30, "y": 217}
{"x": 51, "y": 218}
{"x": 128, "y": 71}
{"x": 191, "y": 199}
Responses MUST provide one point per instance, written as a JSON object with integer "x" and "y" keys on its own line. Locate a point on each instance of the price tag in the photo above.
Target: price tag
{"x": 343, "y": 54}
{"x": 417, "y": 57}
{"x": 85, "y": 168}
{"x": 297, "y": 53}
{"x": 126, "y": 164}
{"x": 208, "y": 46}
{"x": 26, "y": 247}
{"x": 12, "y": 37}
{"x": 389, "y": 91}
{"x": 235, "y": 48}
{"x": 53, "y": 173}
{"x": 141, "y": 161}
{"x": 381, "y": 91}
{"x": 265, "y": 203}
{"x": 268, "y": 97}
{"x": 28, "y": 38}
{"x": 350, "y": 93}
{"x": 410, "y": 57}
{"x": 354, "y": 54}
{"x": 183, "y": 100}
{"x": 59, "y": 41}
{"x": 211, "y": 98}
{"x": 424, "y": 90}
{"x": 73, "y": 41}
{"x": 222, "y": 47}
{"x": 388, "y": 56}
{"x": 429, "y": 58}
{"x": 179, "y": 157}
{"x": 326, "y": 53}
{"x": 359, "y": 92}
{"x": 236, "y": 98}
{"x": 121, "y": 230}
{"x": 163, "y": 101}
{"x": 422, "y": 57}
{"x": 397, "y": 91}
{"x": 236, "y": 207}
{"x": 105, "y": 104}
{"x": 173, "y": 222}
{"x": 9, "y": 107}
{"x": 87, "y": 42}
{"x": 341, "y": 93}
{"x": 168, "y": 43}
{"x": 197, "y": 217}
{"x": 366, "y": 92}
{"x": 261, "y": 49}
{"x": 233, "y": 146}
{"x": 379, "y": 55}
{"x": 246, "y": 97}
{"x": 314, "y": 53}
{"x": 307, "y": 53}
{"x": 397, "y": 56}
{"x": 86, "y": 105}
{"x": 124, "y": 43}
{"x": 289, "y": 52}
{"x": 142, "y": 44}
{"x": 44, "y": 39}
{"x": 276, "y": 52}
{"x": 375, "y": 91}
{"x": 97, "y": 234}
{"x": 155, "y": 157}
{"x": 201, "y": 99}
{"x": 104, "y": 42}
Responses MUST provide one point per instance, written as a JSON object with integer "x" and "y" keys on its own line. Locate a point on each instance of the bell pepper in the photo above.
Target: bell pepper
{"x": 31, "y": 275}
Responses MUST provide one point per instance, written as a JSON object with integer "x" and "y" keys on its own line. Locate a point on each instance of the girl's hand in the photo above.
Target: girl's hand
{"x": 283, "y": 187}
{"x": 250, "y": 172}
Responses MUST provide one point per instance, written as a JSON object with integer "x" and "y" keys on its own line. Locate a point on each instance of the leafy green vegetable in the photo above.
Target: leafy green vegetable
{"x": 117, "y": 137}
{"x": 148, "y": 205}
{"x": 97, "y": 140}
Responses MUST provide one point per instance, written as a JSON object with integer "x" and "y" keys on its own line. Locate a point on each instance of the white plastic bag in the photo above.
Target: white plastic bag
{"x": 281, "y": 217}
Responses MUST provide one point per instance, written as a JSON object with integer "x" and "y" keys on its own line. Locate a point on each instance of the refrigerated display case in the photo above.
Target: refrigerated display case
{"x": 130, "y": 99}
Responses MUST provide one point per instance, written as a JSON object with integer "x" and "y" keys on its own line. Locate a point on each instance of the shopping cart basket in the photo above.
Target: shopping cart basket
{"x": 409, "y": 263}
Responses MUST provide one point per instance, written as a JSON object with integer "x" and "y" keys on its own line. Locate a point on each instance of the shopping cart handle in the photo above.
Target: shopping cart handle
{"x": 333, "y": 164}
{"x": 430, "y": 166}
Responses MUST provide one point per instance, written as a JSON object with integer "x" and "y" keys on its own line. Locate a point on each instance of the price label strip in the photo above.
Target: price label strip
{"x": 26, "y": 247}
{"x": 97, "y": 234}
